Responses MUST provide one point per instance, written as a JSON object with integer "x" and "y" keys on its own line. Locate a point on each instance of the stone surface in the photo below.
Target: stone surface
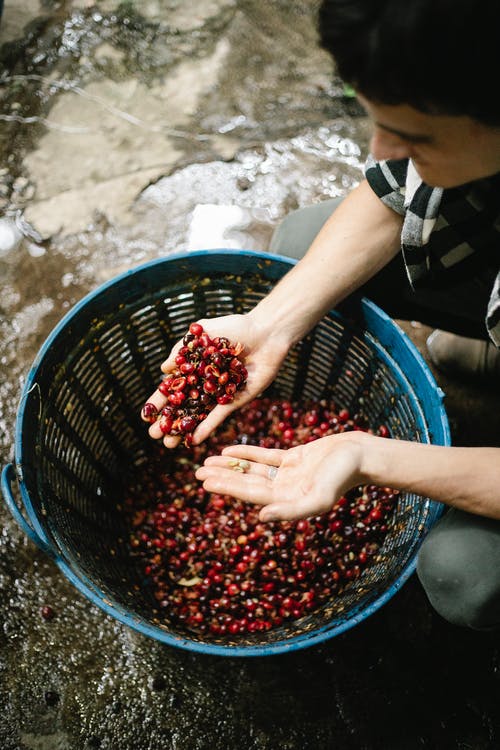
{"x": 181, "y": 16}
{"x": 131, "y": 124}
{"x": 16, "y": 15}
{"x": 75, "y": 209}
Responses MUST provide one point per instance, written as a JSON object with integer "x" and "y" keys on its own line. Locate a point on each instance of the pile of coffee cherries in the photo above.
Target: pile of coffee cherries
{"x": 213, "y": 568}
{"x": 207, "y": 372}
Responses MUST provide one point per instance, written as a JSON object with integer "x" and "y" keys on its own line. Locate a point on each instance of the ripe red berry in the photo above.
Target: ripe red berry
{"x": 188, "y": 424}
{"x": 164, "y": 388}
{"x": 165, "y": 423}
{"x": 175, "y": 398}
{"x": 47, "y": 612}
{"x": 149, "y": 412}
{"x": 196, "y": 329}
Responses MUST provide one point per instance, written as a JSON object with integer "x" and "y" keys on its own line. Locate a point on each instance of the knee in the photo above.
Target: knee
{"x": 456, "y": 587}
{"x": 296, "y": 232}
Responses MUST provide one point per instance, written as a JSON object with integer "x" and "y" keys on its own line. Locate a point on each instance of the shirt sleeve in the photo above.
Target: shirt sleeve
{"x": 387, "y": 179}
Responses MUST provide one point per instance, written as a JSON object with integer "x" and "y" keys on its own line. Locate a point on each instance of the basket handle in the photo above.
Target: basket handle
{"x": 8, "y": 477}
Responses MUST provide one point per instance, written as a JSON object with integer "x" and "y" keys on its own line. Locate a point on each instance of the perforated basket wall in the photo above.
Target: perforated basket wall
{"x": 79, "y": 428}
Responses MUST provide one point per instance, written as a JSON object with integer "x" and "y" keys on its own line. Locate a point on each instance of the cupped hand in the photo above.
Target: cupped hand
{"x": 262, "y": 356}
{"x": 290, "y": 484}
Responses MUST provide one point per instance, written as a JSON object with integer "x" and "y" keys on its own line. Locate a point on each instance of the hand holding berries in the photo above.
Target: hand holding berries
{"x": 207, "y": 372}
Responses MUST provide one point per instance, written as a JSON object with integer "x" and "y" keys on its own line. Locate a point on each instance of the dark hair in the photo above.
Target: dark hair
{"x": 438, "y": 56}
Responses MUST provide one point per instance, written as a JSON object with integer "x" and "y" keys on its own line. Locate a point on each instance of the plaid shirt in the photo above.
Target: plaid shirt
{"x": 447, "y": 234}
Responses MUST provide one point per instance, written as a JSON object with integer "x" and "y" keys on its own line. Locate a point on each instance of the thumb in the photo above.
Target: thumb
{"x": 293, "y": 510}
{"x": 169, "y": 363}
{"x": 211, "y": 422}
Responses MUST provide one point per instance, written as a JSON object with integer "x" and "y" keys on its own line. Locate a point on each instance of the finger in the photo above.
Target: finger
{"x": 238, "y": 465}
{"x": 204, "y": 429}
{"x": 169, "y": 363}
{"x": 292, "y": 510}
{"x": 155, "y": 431}
{"x": 211, "y": 422}
{"x": 269, "y": 456}
{"x": 158, "y": 400}
{"x": 247, "y": 487}
{"x": 171, "y": 441}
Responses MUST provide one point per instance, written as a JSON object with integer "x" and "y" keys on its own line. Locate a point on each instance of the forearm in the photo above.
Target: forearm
{"x": 464, "y": 478}
{"x": 359, "y": 239}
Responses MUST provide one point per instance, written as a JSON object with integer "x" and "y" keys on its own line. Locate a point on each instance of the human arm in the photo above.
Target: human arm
{"x": 312, "y": 477}
{"x": 357, "y": 241}
{"x": 360, "y": 237}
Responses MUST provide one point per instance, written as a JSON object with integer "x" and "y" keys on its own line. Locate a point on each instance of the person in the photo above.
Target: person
{"x": 419, "y": 236}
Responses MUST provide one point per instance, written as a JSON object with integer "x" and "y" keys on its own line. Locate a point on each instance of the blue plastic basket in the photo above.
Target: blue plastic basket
{"x": 78, "y": 427}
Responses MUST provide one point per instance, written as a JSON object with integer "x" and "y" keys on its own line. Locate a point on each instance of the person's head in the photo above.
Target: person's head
{"x": 425, "y": 70}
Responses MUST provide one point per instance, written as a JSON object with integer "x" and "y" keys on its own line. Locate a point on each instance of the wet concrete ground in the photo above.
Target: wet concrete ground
{"x": 128, "y": 131}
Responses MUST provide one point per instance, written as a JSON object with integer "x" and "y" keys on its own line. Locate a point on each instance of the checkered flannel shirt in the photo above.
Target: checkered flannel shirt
{"x": 446, "y": 233}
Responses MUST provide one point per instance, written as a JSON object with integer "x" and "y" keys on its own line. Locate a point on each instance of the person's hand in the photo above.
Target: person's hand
{"x": 262, "y": 356}
{"x": 291, "y": 484}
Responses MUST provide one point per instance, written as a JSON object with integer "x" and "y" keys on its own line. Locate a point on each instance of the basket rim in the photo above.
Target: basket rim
{"x": 72, "y": 570}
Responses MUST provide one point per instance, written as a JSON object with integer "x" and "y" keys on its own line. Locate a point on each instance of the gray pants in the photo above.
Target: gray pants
{"x": 459, "y": 561}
